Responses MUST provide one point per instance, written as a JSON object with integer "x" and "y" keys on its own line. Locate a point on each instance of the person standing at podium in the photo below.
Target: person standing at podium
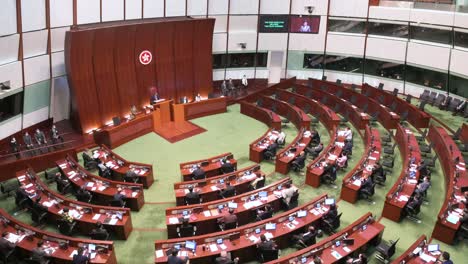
{"x": 154, "y": 97}
{"x": 198, "y": 98}
{"x": 245, "y": 83}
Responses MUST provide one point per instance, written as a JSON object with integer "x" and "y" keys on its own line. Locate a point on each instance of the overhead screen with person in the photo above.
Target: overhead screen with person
{"x": 286, "y": 23}
{"x": 304, "y": 24}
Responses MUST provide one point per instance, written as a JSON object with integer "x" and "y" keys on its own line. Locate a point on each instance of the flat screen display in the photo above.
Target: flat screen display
{"x": 304, "y": 24}
{"x": 273, "y": 24}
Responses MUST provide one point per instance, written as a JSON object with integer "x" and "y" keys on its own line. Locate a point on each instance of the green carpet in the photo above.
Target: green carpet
{"x": 233, "y": 132}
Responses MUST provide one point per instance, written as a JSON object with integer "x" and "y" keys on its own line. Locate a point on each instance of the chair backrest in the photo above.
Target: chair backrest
{"x": 260, "y": 184}
{"x": 294, "y": 198}
{"x": 186, "y": 231}
{"x": 116, "y": 203}
{"x": 307, "y": 109}
{"x": 408, "y": 98}
{"x": 230, "y": 225}
{"x": 100, "y": 236}
{"x": 309, "y": 94}
{"x": 292, "y": 100}
{"x": 392, "y": 248}
{"x": 269, "y": 255}
{"x": 338, "y": 81}
{"x": 192, "y": 200}
{"x": 395, "y": 92}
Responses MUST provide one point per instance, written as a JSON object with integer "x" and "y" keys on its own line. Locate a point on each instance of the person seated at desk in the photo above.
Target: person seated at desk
{"x": 40, "y": 137}
{"x": 63, "y": 184}
{"x": 281, "y": 139}
{"x": 315, "y": 139}
{"x": 378, "y": 172}
{"x": 131, "y": 176}
{"x": 228, "y": 191}
{"x": 367, "y": 187}
{"x": 228, "y": 221}
{"x": 270, "y": 151}
{"x": 38, "y": 207}
{"x": 266, "y": 244}
{"x": 55, "y": 135}
{"x": 332, "y": 214}
{"x": 414, "y": 204}
{"x": 99, "y": 233}
{"x": 342, "y": 160}
{"x": 28, "y": 140}
{"x": 198, "y": 174}
{"x": 184, "y": 100}
{"x": 422, "y": 168}
{"x": 227, "y": 167}
{"x": 361, "y": 259}
{"x": 192, "y": 197}
{"x": 224, "y": 259}
{"x": 265, "y": 213}
{"x": 259, "y": 177}
{"x": 66, "y": 215}
{"x": 460, "y": 108}
{"x": 6, "y": 247}
{"x": 306, "y": 239}
{"x": 154, "y": 97}
{"x": 39, "y": 255}
{"x": 423, "y": 186}
{"x": 288, "y": 192}
{"x": 174, "y": 259}
{"x": 119, "y": 197}
{"x": 348, "y": 147}
{"x": 315, "y": 151}
{"x": 80, "y": 257}
{"x": 347, "y": 133}
{"x": 198, "y": 98}
{"x": 445, "y": 258}
{"x": 83, "y": 195}
{"x": 299, "y": 162}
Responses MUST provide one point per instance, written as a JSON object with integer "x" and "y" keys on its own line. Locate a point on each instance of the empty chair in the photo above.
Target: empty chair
{"x": 408, "y": 98}
{"x": 413, "y": 208}
{"x": 390, "y": 150}
{"x": 425, "y": 95}
{"x": 330, "y": 225}
{"x": 228, "y": 226}
{"x": 457, "y": 133}
{"x": 389, "y": 163}
{"x": 365, "y": 108}
{"x": 453, "y": 104}
{"x": 432, "y": 98}
{"x": 439, "y": 100}
{"x": 89, "y": 163}
{"x": 422, "y": 105}
{"x": 404, "y": 117}
{"x": 192, "y": 200}
{"x": 8, "y": 188}
{"x": 338, "y": 81}
{"x": 386, "y": 251}
{"x": 387, "y": 137}
{"x": 117, "y": 203}
{"x": 422, "y": 137}
{"x": 367, "y": 193}
{"x": 430, "y": 162}
{"x": 374, "y": 117}
{"x": 324, "y": 78}
{"x": 395, "y": 92}
{"x": 186, "y": 229}
{"x": 445, "y": 103}
{"x": 268, "y": 255}
{"x": 380, "y": 179}
{"x": 353, "y": 87}
{"x": 66, "y": 227}
{"x": 426, "y": 149}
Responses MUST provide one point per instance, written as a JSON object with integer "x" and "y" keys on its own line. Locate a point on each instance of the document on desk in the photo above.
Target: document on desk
{"x": 357, "y": 182}
{"x": 268, "y": 235}
{"x": 213, "y": 247}
{"x": 75, "y": 252}
{"x": 134, "y": 194}
{"x": 113, "y": 221}
{"x": 253, "y": 238}
{"x": 159, "y": 253}
{"x": 427, "y": 258}
{"x": 403, "y": 198}
{"x": 63, "y": 165}
{"x": 223, "y": 247}
{"x": 207, "y": 213}
{"x": 452, "y": 218}
{"x": 89, "y": 184}
{"x": 173, "y": 220}
{"x": 336, "y": 254}
{"x": 96, "y": 217}
{"x": 347, "y": 249}
{"x": 372, "y": 158}
{"x": 214, "y": 188}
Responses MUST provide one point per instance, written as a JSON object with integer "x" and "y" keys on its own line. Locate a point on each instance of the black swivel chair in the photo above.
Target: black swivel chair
{"x": 117, "y": 203}
{"x": 100, "y": 236}
{"x": 386, "y": 251}
{"x": 412, "y": 213}
{"x": 66, "y": 227}
{"x": 268, "y": 255}
{"x": 367, "y": 193}
{"x": 6, "y": 258}
{"x": 39, "y": 217}
{"x": 268, "y": 155}
{"x": 195, "y": 200}
{"x": 227, "y": 193}
{"x": 228, "y": 226}
{"x": 329, "y": 226}
{"x": 186, "y": 231}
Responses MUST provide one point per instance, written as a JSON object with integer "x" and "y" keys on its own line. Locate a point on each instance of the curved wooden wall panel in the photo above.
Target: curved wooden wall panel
{"x": 106, "y": 76}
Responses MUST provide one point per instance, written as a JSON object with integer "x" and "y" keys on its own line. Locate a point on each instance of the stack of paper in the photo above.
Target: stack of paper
{"x": 213, "y": 247}
{"x": 159, "y": 253}
{"x": 173, "y": 220}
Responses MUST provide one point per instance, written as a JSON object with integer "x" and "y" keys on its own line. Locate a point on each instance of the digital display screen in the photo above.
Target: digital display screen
{"x": 273, "y": 24}
{"x": 304, "y": 24}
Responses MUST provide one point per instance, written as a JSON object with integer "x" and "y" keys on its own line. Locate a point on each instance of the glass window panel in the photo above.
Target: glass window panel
{"x": 348, "y": 26}
{"x": 461, "y": 39}
{"x": 458, "y": 86}
{"x": 219, "y": 61}
{"x": 262, "y": 59}
{"x": 390, "y": 30}
{"x": 11, "y": 106}
{"x": 429, "y": 78}
{"x": 343, "y": 63}
{"x": 241, "y": 60}
{"x": 431, "y": 34}
{"x": 384, "y": 69}
{"x": 313, "y": 61}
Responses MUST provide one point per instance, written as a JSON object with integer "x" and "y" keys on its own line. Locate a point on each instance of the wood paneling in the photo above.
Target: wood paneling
{"x": 106, "y": 76}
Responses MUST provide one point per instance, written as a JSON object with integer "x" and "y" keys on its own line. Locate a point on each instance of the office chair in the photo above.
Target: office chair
{"x": 329, "y": 180}
{"x": 386, "y": 251}
{"x": 404, "y": 117}
{"x": 408, "y": 98}
{"x": 381, "y": 179}
{"x": 293, "y": 202}
{"x": 463, "y": 232}
{"x": 296, "y": 166}
{"x": 430, "y": 162}
{"x": 39, "y": 217}
{"x": 367, "y": 194}
{"x": 457, "y": 133}
{"x": 6, "y": 258}
{"x": 268, "y": 155}
{"x": 422, "y": 137}
{"x": 259, "y": 185}
{"x": 374, "y": 117}
{"x": 186, "y": 231}
{"x": 324, "y": 78}
{"x": 390, "y": 150}
{"x": 226, "y": 194}
{"x": 66, "y": 227}
{"x": 228, "y": 226}
{"x": 263, "y": 216}
{"x": 100, "y": 236}
{"x": 117, "y": 203}
{"x": 32, "y": 261}
{"x": 268, "y": 255}
{"x": 388, "y": 163}
{"x": 381, "y": 85}
{"x": 131, "y": 179}
{"x": 189, "y": 201}
{"x": 439, "y": 100}
{"x": 432, "y": 98}
{"x": 9, "y": 188}
{"x": 453, "y": 104}
{"x": 84, "y": 197}
{"x": 422, "y": 105}
{"x": 22, "y": 202}
{"x": 387, "y": 138}
{"x": 426, "y": 149}
{"x": 89, "y": 163}
{"x": 62, "y": 186}
{"x": 425, "y": 95}
{"x": 329, "y": 226}
{"x": 413, "y": 212}
{"x": 50, "y": 177}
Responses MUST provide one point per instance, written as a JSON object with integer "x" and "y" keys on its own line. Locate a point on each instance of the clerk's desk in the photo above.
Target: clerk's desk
{"x": 370, "y": 105}
{"x": 205, "y": 215}
{"x": 89, "y": 214}
{"x": 329, "y": 154}
{"x": 211, "y": 166}
{"x": 242, "y": 241}
{"x": 264, "y": 115}
{"x": 286, "y": 156}
{"x": 202, "y": 108}
{"x": 209, "y": 188}
{"x": 365, "y": 231}
{"x": 257, "y": 147}
{"x": 120, "y": 166}
{"x": 409, "y": 254}
{"x": 352, "y": 181}
{"x": 456, "y": 180}
{"x": 102, "y": 189}
{"x": 404, "y": 187}
{"x": 25, "y": 237}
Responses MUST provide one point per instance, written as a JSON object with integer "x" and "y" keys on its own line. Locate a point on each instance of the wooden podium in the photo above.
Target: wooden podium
{"x": 161, "y": 114}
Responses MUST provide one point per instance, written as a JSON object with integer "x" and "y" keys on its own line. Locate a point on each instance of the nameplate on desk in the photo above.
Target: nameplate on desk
{"x": 336, "y": 255}
{"x": 159, "y": 253}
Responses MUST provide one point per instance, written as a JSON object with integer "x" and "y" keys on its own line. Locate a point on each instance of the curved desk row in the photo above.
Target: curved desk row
{"x": 352, "y": 181}
{"x": 290, "y": 112}
{"x": 87, "y": 215}
{"x": 364, "y": 232}
{"x": 387, "y": 117}
{"x": 456, "y": 179}
{"x": 286, "y": 156}
{"x": 211, "y": 166}
{"x": 404, "y": 187}
{"x": 61, "y": 248}
{"x": 205, "y": 215}
{"x": 257, "y": 147}
{"x": 209, "y": 189}
{"x": 103, "y": 190}
{"x": 120, "y": 166}
{"x": 266, "y": 116}
{"x": 242, "y": 241}
{"x": 409, "y": 255}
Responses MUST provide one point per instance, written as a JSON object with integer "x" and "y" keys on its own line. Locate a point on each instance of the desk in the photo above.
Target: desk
{"x": 102, "y": 189}
{"x": 416, "y": 117}
{"x": 287, "y": 110}
{"x": 205, "y": 215}
{"x": 209, "y": 188}
{"x": 285, "y": 157}
{"x": 326, "y": 249}
{"x": 257, "y": 147}
{"x": 370, "y": 105}
{"x": 316, "y": 168}
{"x": 183, "y": 112}
{"x": 404, "y": 187}
{"x": 447, "y": 151}
{"x": 25, "y": 245}
{"x": 408, "y": 254}
{"x": 87, "y": 221}
{"x": 348, "y": 110}
{"x": 120, "y": 166}
{"x": 266, "y": 116}
{"x": 352, "y": 181}
{"x": 240, "y": 241}
{"x": 212, "y": 168}
{"x": 114, "y": 136}
{"x": 426, "y": 257}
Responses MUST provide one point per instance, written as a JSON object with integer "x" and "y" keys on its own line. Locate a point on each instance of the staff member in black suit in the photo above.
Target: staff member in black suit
{"x": 80, "y": 257}
{"x": 198, "y": 174}
{"x": 270, "y": 149}
{"x": 83, "y": 195}
{"x": 224, "y": 259}
{"x": 120, "y": 196}
{"x": 265, "y": 244}
{"x": 192, "y": 196}
{"x": 6, "y": 246}
{"x": 28, "y": 140}
{"x": 306, "y": 239}
{"x": 39, "y": 255}
{"x": 299, "y": 161}
{"x": 229, "y": 191}
{"x": 174, "y": 259}
{"x": 154, "y": 97}
{"x": 227, "y": 167}
{"x": 99, "y": 231}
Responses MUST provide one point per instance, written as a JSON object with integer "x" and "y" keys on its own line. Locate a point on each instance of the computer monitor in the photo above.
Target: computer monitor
{"x": 252, "y": 197}
{"x": 257, "y": 230}
{"x": 301, "y": 213}
{"x": 270, "y": 226}
{"x": 263, "y": 194}
{"x": 91, "y": 247}
{"x": 221, "y": 206}
{"x": 337, "y": 243}
{"x": 329, "y": 201}
{"x": 348, "y": 241}
{"x": 177, "y": 246}
{"x": 232, "y": 205}
{"x": 221, "y": 181}
{"x": 192, "y": 245}
{"x": 303, "y": 260}
{"x": 219, "y": 241}
{"x": 185, "y": 212}
{"x": 433, "y": 247}
{"x": 280, "y": 187}
{"x": 291, "y": 218}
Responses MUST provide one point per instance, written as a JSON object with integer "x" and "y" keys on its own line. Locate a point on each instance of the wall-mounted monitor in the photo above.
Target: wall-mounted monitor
{"x": 273, "y": 24}
{"x": 304, "y": 24}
